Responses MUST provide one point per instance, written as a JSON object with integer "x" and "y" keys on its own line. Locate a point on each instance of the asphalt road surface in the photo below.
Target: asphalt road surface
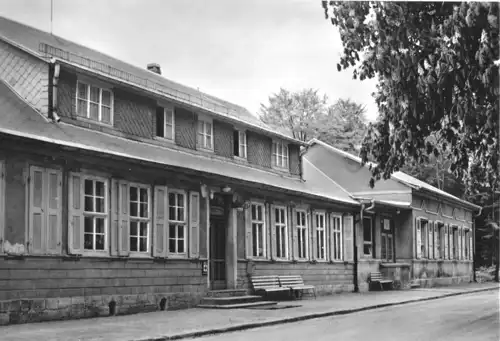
{"x": 465, "y": 317}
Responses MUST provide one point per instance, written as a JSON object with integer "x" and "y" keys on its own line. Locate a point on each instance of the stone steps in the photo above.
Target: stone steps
{"x": 238, "y": 305}
{"x": 230, "y": 300}
{"x": 227, "y": 293}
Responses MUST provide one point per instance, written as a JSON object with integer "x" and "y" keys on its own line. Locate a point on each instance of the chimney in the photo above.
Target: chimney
{"x": 153, "y": 67}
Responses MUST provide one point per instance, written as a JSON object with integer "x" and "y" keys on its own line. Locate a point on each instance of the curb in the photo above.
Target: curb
{"x": 253, "y": 325}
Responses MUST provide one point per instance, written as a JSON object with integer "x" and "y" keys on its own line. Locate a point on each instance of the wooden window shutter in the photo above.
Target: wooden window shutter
{"x": 248, "y": 232}
{"x": 314, "y": 237}
{"x": 160, "y": 224}
{"x": 114, "y": 230}
{"x": 436, "y": 246}
{"x": 268, "y": 228}
{"x": 194, "y": 224}
{"x": 471, "y": 244}
{"x": 430, "y": 240}
{"x": 272, "y": 228}
{"x": 54, "y": 211}
{"x": 295, "y": 234}
{"x": 348, "y": 238}
{"x": 75, "y": 214}
{"x": 445, "y": 241}
{"x": 462, "y": 244}
{"x": 418, "y": 237}
{"x": 289, "y": 232}
{"x": 329, "y": 236}
{"x": 123, "y": 219}
{"x": 2, "y": 204}
{"x": 37, "y": 218}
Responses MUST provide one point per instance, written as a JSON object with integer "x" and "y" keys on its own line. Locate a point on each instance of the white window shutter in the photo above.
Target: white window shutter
{"x": 436, "y": 237}
{"x": 329, "y": 236}
{"x": 160, "y": 224}
{"x": 430, "y": 240}
{"x": 54, "y": 211}
{"x": 289, "y": 232}
{"x": 314, "y": 244}
{"x": 248, "y": 232}
{"x": 114, "y": 234}
{"x": 267, "y": 231}
{"x": 418, "y": 238}
{"x": 272, "y": 228}
{"x": 462, "y": 243}
{"x": 446, "y": 246}
{"x": 2, "y": 204}
{"x": 75, "y": 214}
{"x": 471, "y": 244}
{"x": 37, "y": 218}
{"x": 194, "y": 224}
{"x": 123, "y": 219}
{"x": 295, "y": 240}
{"x": 348, "y": 238}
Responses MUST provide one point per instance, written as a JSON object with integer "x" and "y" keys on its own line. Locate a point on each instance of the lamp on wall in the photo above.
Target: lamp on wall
{"x": 226, "y": 189}
{"x": 203, "y": 190}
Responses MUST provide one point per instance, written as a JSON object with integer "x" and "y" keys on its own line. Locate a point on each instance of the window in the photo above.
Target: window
{"x": 466, "y": 244}
{"x": 367, "y": 237}
{"x": 423, "y": 245}
{"x": 337, "y": 237}
{"x": 140, "y": 220}
{"x": 387, "y": 249}
{"x": 430, "y": 240}
{"x": 302, "y": 234}
{"x": 44, "y": 225}
{"x": 205, "y": 134}
{"x": 438, "y": 232}
{"x": 2, "y": 203}
{"x": 454, "y": 243}
{"x": 280, "y": 224}
{"x": 165, "y": 123}
{"x": 319, "y": 219}
{"x": 280, "y": 155}
{"x": 177, "y": 222}
{"x": 240, "y": 144}
{"x": 95, "y": 215}
{"x": 94, "y": 103}
{"x": 258, "y": 231}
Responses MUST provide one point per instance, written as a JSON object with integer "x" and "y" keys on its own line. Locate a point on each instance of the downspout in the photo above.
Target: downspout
{"x": 474, "y": 245}
{"x": 55, "y": 80}
{"x": 354, "y": 236}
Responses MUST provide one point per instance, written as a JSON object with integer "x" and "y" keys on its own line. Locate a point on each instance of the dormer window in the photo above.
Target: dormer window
{"x": 165, "y": 125}
{"x": 280, "y": 154}
{"x": 240, "y": 144}
{"x": 94, "y": 103}
{"x": 205, "y": 133}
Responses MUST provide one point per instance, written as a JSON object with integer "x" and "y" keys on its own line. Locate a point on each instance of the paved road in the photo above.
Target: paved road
{"x": 466, "y": 317}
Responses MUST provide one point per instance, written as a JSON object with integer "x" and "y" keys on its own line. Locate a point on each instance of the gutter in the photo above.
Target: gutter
{"x": 354, "y": 237}
{"x": 474, "y": 244}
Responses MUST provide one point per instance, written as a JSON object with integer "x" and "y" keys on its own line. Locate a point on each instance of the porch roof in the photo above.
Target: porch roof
{"x": 386, "y": 203}
{"x": 21, "y": 120}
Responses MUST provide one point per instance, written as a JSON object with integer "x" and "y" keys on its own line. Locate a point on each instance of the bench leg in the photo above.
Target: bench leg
{"x": 381, "y": 286}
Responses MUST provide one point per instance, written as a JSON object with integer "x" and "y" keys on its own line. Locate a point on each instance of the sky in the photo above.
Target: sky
{"x": 240, "y": 51}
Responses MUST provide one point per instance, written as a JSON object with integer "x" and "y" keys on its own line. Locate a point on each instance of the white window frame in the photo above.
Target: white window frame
{"x": 101, "y": 88}
{"x": 242, "y": 145}
{"x": 454, "y": 243}
{"x": 305, "y": 230}
{"x": 337, "y": 237}
{"x": 277, "y": 146}
{"x": 321, "y": 230}
{"x": 424, "y": 238}
{"x": 204, "y": 135}
{"x": 371, "y": 237}
{"x": 2, "y": 204}
{"x": 139, "y": 219}
{"x": 178, "y": 223}
{"x": 282, "y": 226}
{"x": 264, "y": 231}
{"x": 105, "y": 214}
{"x": 168, "y": 109}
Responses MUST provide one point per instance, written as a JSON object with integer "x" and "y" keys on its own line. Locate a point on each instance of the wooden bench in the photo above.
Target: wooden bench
{"x": 376, "y": 277}
{"x": 266, "y": 284}
{"x": 296, "y": 284}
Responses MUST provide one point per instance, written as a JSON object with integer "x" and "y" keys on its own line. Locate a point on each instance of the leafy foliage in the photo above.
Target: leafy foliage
{"x": 306, "y": 114}
{"x": 437, "y": 70}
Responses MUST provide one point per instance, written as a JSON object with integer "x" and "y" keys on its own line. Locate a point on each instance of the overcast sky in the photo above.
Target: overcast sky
{"x": 241, "y": 51}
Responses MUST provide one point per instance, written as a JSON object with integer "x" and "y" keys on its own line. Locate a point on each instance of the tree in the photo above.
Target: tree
{"x": 437, "y": 70}
{"x": 306, "y": 115}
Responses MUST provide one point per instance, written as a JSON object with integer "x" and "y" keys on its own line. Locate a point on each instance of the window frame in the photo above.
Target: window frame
{"x": 89, "y": 83}
{"x": 324, "y": 231}
{"x": 275, "y": 155}
{"x": 454, "y": 243}
{"x": 264, "y": 230}
{"x": 305, "y": 228}
{"x": 2, "y": 204}
{"x": 244, "y": 145}
{"x": 387, "y": 237}
{"x": 339, "y": 233}
{"x": 139, "y": 219}
{"x": 185, "y": 224}
{"x": 205, "y": 120}
{"x": 283, "y": 225}
{"x": 167, "y": 108}
{"x": 424, "y": 236}
{"x": 106, "y": 214}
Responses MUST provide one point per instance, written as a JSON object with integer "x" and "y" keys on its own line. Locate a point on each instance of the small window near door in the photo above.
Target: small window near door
{"x": 165, "y": 123}
{"x": 367, "y": 237}
{"x": 387, "y": 249}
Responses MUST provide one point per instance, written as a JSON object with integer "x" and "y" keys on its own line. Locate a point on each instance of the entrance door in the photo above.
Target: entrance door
{"x": 217, "y": 253}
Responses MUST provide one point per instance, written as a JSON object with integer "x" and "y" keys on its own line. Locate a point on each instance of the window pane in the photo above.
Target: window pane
{"x": 180, "y": 213}
{"x": 94, "y": 94}
{"x": 88, "y": 241}
{"x": 208, "y": 142}
{"x": 144, "y": 195}
{"x": 82, "y": 108}
{"x": 133, "y": 209}
{"x": 105, "y": 114}
{"x": 89, "y": 204}
{"x": 259, "y": 213}
{"x": 89, "y": 225}
{"x": 180, "y": 246}
{"x": 144, "y": 210}
{"x": 254, "y": 212}
{"x": 89, "y": 187}
{"x": 143, "y": 229}
{"x": 106, "y": 98}
{"x": 99, "y": 225}
{"x": 255, "y": 239}
{"x": 169, "y": 116}
{"x": 208, "y": 129}
{"x": 180, "y": 231}
{"x": 261, "y": 240}
{"x": 82, "y": 91}
{"x": 171, "y": 245}
{"x": 37, "y": 189}
{"x": 180, "y": 200}
{"x": 99, "y": 242}
{"x": 236, "y": 143}
{"x": 169, "y": 132}
{"x": 277, "y": 215}
{"x": 133, "y": 228}
{"x": 99, "y": 188}
{"x": 133, "y": 243}
{"x": 200, "y": 127}
{"x": 94, "y": 111}
{"x": 143, "y": 246}
{"x": 99, "y": 203}
{"x": 133, "y": 194}
{"x": 367, "y": 230}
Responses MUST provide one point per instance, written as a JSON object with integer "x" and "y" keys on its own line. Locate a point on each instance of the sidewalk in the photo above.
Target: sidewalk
{"x": 174, "y": 325}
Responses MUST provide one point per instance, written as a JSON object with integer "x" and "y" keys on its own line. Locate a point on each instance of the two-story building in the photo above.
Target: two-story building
{"x": 122, "y": 191}
{"x": 407, "y": 229}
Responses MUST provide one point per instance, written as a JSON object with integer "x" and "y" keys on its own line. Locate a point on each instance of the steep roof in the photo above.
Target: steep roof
{"x": 399, "y": 176}
{"x": 21, "y": 120}
{"x": 47, "y": 46}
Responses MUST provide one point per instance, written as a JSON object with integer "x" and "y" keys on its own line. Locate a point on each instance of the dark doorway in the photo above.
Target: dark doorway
{"x": 217, "y": 252}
